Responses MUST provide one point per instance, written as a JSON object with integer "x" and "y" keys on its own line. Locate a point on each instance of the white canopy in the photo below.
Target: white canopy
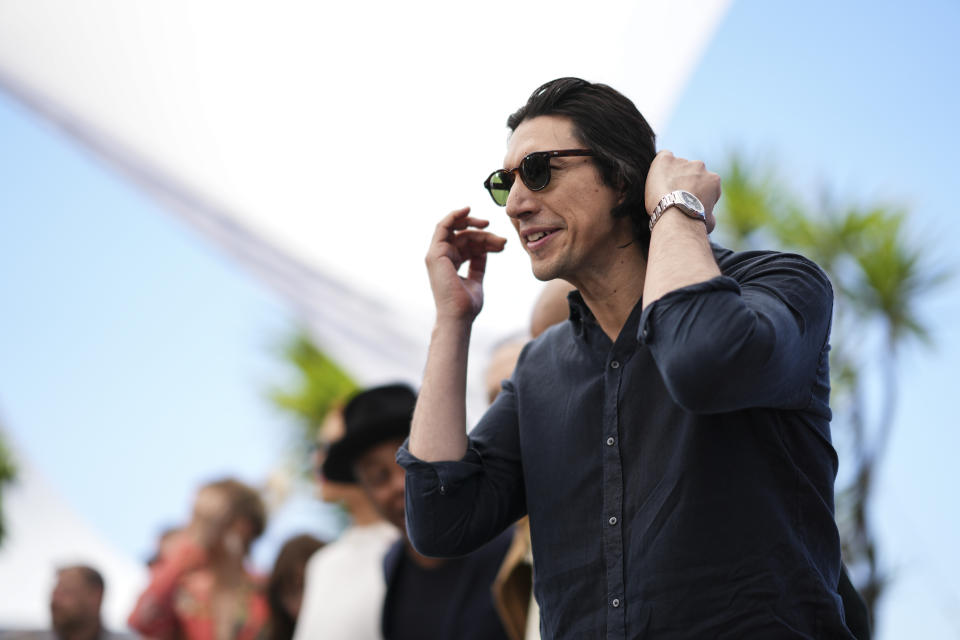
{"x": 44, "y": 533}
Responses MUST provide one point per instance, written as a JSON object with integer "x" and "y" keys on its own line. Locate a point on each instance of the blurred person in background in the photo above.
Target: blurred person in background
{"x": 200, "y": 588}
{"x": 425, "y": 597}
{"x": 164, "y": 541}
{"x": 75, "y": 603}
{"x": 74, "y": 608}
{"x": 513, "y": 587}
{"x": 285, "y": 586}
{"x": 513, "y": 584}
{"x": 552, "y": 307}
{"x": 344, "y": 586}
{"x": 502, "y": 360}
{"x": 346, "y": 495}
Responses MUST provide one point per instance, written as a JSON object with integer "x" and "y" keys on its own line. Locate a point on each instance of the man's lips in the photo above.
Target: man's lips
{"x": 536, "y": 238}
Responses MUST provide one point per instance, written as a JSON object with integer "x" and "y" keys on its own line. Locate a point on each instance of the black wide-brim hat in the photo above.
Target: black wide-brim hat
{"x": 371, "y": 417}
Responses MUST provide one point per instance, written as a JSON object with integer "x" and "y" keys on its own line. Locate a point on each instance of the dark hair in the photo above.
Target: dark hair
{"x": 288, "y": 572}
{"x": 90, "y": 575}
{"x": 607, "y": 123}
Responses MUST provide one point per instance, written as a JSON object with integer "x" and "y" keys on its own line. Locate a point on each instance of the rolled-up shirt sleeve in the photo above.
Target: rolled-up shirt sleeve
{"x": 455, "y": 507}
{"x": 755, "y": 340}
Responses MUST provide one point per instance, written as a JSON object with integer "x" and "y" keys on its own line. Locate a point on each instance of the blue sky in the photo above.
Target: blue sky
{"x": 135, "y": 358}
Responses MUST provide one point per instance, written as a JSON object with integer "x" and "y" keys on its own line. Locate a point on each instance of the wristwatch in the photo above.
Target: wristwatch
{"x": 683, "y": 200}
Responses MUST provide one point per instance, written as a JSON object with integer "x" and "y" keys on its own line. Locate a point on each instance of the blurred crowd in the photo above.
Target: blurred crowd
{"x": 368, "y": 583}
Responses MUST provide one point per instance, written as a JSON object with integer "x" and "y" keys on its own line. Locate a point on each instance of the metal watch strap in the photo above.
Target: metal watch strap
{"x": 667, "y": 201}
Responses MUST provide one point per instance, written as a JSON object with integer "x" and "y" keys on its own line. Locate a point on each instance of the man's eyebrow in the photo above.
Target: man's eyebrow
{"x": 524, "y": 155}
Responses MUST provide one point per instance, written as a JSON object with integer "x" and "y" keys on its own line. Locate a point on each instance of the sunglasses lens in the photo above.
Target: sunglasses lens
{"x": 498, "y": 184}
{"x": 535, "y": 171}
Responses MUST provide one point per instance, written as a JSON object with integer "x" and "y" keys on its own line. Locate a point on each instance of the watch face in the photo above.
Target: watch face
{"x": 691, "y": 201}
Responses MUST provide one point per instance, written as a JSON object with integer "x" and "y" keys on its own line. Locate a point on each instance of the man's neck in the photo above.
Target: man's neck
{"x": 362, "y": 512}
{"x": 611, "y": 293}
{"x": 80, "y": 631}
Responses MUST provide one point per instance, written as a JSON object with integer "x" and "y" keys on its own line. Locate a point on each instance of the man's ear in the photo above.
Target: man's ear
{"x": 622, "y": 188}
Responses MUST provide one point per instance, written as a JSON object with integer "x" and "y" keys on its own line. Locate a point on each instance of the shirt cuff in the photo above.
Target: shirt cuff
{"x": 650, "y": 316}
{"x": 444, "y": 477}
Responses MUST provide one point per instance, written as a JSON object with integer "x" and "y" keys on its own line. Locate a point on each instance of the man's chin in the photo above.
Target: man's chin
{"x": 543, "y": 272}
{"x": 60, "y": 619}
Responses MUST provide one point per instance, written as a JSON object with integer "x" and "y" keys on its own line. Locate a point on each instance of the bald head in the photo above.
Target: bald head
{"x": 76, "y": 598}
{"x": 502, "y": 362}
{"x": 551, "y": 307}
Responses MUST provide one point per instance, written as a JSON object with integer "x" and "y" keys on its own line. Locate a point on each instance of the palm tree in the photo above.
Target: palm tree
{"x": 8, "y": 473}
{"x": 880, "y": 279}
{"x": 318, "y": 385}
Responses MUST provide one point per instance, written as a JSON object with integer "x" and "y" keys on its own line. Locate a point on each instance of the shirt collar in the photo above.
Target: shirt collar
{"x": 582, "y": 318}
{"x": 580, "y": 314}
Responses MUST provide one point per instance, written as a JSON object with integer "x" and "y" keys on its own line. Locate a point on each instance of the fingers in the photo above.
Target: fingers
{"x": 669, "y": 173}
{"x": 478, "y": 266}
{"x": 473, "y": 242}
{"x": 457, "y": 220}
{"x": 459, "y": 237}
{"x": 469, "y": 245}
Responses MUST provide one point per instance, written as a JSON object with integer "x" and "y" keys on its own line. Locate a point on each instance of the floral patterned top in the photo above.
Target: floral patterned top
{"x": 179, "y": 602}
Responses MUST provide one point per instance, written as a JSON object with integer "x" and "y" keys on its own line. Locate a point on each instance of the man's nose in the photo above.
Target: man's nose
{"x": 521, "y": 200}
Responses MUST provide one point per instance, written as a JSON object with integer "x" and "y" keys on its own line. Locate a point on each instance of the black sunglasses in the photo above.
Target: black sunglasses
{"x": 534, "y": 170}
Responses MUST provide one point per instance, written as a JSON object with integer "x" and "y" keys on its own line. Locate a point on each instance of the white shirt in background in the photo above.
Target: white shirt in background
{"x": 344, "y": 586}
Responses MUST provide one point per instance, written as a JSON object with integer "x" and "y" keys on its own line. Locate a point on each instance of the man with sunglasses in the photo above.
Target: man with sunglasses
{"x": 670, "y": 442}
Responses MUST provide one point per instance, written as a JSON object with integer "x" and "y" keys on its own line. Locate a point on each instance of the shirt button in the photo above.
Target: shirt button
{"x": 612, "y": 520}
{"x": 615, "y": 602}
{"x": 610, "y": 441}
{"x": 615, "y": 365}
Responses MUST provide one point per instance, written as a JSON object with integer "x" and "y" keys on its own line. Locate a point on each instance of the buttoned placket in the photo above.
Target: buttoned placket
{"x": 613, "y": 495}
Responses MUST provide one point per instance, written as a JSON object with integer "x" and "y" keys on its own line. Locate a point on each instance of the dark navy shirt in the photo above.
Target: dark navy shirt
{"x": 454, "y": 600}
{"x": 679, "y": 481}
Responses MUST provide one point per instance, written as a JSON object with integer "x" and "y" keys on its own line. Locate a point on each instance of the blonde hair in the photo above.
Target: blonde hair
{"x": 245, "y": 502}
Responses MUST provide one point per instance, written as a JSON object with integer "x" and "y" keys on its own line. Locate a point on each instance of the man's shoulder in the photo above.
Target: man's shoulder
{"x": 746, "y": 265}
{"x": 36, "y": 634}
{"x": 353, "y": 544}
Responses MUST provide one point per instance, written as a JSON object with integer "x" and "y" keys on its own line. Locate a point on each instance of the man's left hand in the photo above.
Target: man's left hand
{"x": 669, "y": 173}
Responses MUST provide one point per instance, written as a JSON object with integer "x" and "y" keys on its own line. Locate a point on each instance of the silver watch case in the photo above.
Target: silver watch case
{"x": 683, "y": 200}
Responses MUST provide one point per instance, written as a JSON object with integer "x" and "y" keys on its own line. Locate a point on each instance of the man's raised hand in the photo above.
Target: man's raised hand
{"x": 668, "y": 173}
{"x": 460, "y": 238}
